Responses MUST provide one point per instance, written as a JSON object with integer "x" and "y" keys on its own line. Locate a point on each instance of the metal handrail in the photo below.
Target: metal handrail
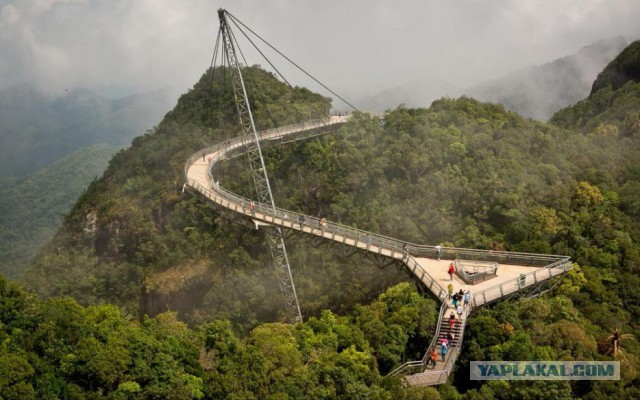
{"x": 473, "y": 271}
{"x": 448, "y": 366}
{"x": 335, "y": 231}
{"x": 434, "y": 341}
{"x": 514, "y": 284}
{"x": 454, "y": 351}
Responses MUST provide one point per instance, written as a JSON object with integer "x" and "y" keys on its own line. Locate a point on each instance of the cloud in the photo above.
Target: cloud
{"x": 9, "y": 15}
{"x": 355, "y": 47}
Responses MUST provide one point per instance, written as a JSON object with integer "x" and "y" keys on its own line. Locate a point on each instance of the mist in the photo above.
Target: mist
{"x": 357, "y": 48}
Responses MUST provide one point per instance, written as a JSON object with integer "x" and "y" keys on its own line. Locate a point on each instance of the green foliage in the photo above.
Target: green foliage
{"x": 607, "y": 116}
{"x": 59, "y": 349}
{"x": 461, "y": 172}
{"x": 94, "y": 351}
{"x": 32, "y": 208}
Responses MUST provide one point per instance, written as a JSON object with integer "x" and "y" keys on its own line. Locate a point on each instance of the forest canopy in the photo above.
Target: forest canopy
{"x": 460, "y": 172}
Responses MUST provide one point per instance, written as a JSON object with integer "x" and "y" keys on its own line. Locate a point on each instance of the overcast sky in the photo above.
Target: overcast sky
{"x": 355, "y": 47}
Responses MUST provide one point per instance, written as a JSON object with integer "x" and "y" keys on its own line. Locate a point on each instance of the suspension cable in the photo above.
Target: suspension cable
{"x": 250, "y": 72}
{"x": 233, "y": 18}
{"x": 261, "y": 53}
{"x": 214, "y": 57}
{"x": 293, "y": 89}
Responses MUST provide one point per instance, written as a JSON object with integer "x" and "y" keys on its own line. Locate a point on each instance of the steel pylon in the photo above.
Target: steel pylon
{"x": 251, "y": 141}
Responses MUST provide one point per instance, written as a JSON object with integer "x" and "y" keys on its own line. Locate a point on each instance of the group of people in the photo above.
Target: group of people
{"x": 445, "y": 342}
{"x": 322, "y": 223}
{"x": 251, "y": 207}
{"x": 459, "y": 300}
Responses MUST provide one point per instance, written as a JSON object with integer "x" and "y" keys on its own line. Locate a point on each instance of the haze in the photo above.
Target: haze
{"x": 359, "y": 47}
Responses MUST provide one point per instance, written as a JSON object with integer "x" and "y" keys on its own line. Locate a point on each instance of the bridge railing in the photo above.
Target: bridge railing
{"x": 554, "y": 265}
{"x": 455, "y": 350}
{"x": 473, "y": 272}
{"x": 430, "y": 377}
{"x": 513, "y": 285}
{"x": 500, "y": 257}
{"x": 268, "y": 134}
{"x": 358, "y": 238}
{"x": 422, "y": 364}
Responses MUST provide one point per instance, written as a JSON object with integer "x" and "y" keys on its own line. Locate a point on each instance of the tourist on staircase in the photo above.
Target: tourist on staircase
{"x": 452, "y": 320}
{"x": 434, "y": 357}
{"x": 455, "y": 299}
{"x": 450, "y": 337}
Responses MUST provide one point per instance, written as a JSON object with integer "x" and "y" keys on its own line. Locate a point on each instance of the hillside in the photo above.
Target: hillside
{"x": 612, "y": 106}
{"x": 36, "y": 128}
{"x": 32, "y": 208}
{"x": 461, "y": 172}
{"x": 622, "y": 69}
{"x": 134, "y": 240}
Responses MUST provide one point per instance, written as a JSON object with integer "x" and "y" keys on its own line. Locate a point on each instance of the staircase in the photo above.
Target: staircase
{"x": 444, "y": 329}
{"x": 430, "y": 375}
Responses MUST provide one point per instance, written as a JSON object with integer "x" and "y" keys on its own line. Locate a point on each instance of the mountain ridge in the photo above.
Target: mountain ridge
{"x": 535, "y": 92}
{"x": 38, "y": 128}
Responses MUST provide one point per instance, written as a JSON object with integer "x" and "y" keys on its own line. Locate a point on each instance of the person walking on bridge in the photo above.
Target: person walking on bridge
{"x": 323, "y": 224}
{"x": 452, "y": 270}
{"x": 438, "y": 249}
{"x": 443, "y": 351}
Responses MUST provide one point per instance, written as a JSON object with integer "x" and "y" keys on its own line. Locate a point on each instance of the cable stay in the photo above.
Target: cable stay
{"x": 363, "y": 164}
{"x": 240, "y": 24}
{"x": 229, "y": 57}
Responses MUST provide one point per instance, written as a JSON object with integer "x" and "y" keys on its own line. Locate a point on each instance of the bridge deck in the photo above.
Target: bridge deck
{"x": 516, "y": 271}
{"x": 506, "y": 282}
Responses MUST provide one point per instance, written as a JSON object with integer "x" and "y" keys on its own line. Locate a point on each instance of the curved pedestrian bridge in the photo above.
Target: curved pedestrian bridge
{"x": 516, "y": 274}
